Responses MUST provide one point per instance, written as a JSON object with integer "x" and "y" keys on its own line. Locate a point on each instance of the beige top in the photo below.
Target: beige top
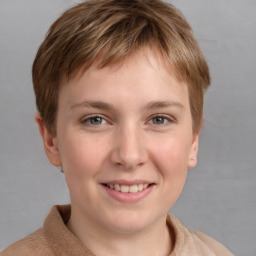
{"x": 54, "y": 238}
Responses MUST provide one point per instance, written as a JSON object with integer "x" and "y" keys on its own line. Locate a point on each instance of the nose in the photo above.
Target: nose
{"x": 129, "y": 149}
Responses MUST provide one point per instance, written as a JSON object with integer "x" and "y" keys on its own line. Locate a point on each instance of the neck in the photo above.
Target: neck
{"x": 155, "y": 240}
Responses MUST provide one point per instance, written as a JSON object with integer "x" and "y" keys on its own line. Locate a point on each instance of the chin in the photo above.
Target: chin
{"x": 131, "y": 222}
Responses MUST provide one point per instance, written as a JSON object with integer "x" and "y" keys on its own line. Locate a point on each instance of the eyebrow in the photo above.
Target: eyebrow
{"x": 93, "y": 104}
{"x": 163, "y": 104}
{"x": 109, "y": 107}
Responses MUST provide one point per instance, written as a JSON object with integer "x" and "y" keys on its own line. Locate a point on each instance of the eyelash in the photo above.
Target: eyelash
{"x": 166, "y": 120}
{"x": 87, "y": 120}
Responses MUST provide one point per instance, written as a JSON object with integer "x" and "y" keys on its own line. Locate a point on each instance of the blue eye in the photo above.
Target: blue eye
{"x": 158, "y": 120}
{"x": 94, "y": 120}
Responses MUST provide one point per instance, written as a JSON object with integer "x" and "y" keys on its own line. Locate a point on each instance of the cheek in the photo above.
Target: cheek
{"x": 82, "y": 162}
{"x": 172, "y": 154}
{"x": 82, "y": 156}
{"x": 172, "y": 160}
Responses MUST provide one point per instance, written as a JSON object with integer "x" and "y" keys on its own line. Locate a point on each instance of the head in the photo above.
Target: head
{"x": 119, "y": 87}
{"x": 111, "y": 31}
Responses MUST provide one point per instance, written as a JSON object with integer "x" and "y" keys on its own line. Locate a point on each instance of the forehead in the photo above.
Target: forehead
{"x": 152, "y": 55}
{"x": 145, "y": 74}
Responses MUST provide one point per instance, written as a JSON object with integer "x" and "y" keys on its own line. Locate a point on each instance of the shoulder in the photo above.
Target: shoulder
{"x": 43, "y": 241}
{"x": 190, "y": 242}
{"x": 34, "y": 244}
{"x": 205, "y": 243}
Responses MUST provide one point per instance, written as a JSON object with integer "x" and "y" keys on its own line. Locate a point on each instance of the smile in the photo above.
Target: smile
{"x": 128, "y": 189}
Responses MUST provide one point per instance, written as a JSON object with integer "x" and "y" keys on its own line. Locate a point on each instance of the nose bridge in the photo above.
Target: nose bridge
{"x": 130, "y": 150}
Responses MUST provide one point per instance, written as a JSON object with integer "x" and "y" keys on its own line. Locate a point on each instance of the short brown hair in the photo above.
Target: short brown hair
{"x": 113, "y": 30}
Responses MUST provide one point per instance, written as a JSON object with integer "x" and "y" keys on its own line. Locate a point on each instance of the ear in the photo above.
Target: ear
{"x": 192, "y": 161}
{"x": 50, "y": 142}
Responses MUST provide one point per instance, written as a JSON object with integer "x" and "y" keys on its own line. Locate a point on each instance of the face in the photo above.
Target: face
{"x": 124, "y": 127}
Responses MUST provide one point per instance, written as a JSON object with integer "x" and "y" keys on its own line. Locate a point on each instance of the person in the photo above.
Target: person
{"x": 119, "y": 89}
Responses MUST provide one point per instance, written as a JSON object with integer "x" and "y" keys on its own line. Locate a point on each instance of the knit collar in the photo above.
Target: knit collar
{"x": 60, "y": 239}
{"x": 63, "y": 242}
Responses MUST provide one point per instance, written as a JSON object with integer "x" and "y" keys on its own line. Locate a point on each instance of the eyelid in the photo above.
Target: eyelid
{"x": 86, "y": 118}
{"x": 168, "y": 117}
{"x": 168, "y": 123}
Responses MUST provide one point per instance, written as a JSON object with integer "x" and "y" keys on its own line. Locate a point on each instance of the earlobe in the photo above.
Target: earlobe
{"x": 50, "y": 142}
{"x": 192, "y": 161}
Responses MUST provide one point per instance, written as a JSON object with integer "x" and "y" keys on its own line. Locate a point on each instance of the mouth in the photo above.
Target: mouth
{"x": 128, "y": 189}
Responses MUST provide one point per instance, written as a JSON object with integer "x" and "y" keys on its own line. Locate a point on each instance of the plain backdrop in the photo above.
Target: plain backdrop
{"x": 219, "y": 196}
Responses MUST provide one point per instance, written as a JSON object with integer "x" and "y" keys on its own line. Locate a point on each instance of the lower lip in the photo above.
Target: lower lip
{"x": 128, "y": 197}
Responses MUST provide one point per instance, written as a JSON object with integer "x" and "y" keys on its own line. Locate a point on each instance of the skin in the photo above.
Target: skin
{"x": 125, "y": 122}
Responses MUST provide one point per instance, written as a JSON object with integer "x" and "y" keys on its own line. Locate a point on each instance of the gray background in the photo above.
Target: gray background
{"x": 219, "y": 197}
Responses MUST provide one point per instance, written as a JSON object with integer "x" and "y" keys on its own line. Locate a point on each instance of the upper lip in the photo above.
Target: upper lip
{"x": 127, "y": 182}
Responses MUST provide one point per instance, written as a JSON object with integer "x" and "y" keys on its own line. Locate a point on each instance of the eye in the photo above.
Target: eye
{"x": 94, "y": 120}
{"x": 158, "y": 120}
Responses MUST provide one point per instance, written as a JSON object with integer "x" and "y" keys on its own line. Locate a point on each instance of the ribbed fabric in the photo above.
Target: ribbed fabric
{"x": 54, "y": 239}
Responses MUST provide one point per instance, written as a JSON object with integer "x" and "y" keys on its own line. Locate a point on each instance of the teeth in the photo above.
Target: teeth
{"x": 140, "y": 187}
{"x": 133, "y": 189}
{"x": 117, "y": 187}
{"x": 125, "y": 189}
